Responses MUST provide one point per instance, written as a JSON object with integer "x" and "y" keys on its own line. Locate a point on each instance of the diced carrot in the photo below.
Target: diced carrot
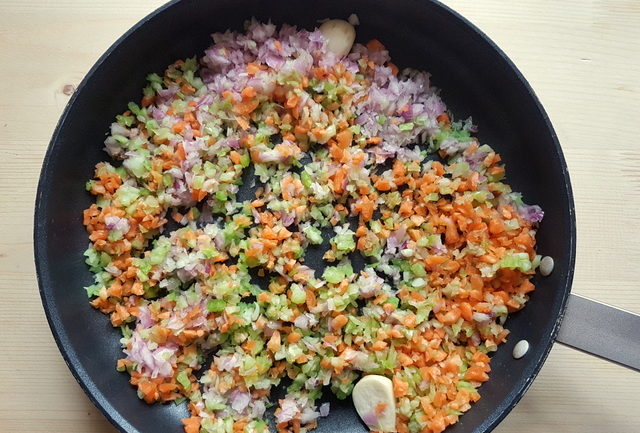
{"x": 379, "y": 345}
{"x": 500, "y": 297}
{"x": 443, "y": 118}
{"x": 338, "y": 179}
{"x": 405, "y": 360}
{"x": 191, "y": 425}
{"x": 252, "y": 69}
{"x": 438, "y": 168}
{"x": 400, "y": 387}
{"x": 437, "y": 424}
{"x": 336, "y": 152}
{"x": 198, "y": 194}
{"x": 496, "y": 171}
{"x": 339, "y": 321}
{"x": 235, "y": 157}
{"x": 187, "y": 89}
{"x": 366, "y": 209}
{"x": 451, "y": 235}
{"x": 410, "y": 320}
{"x": 526, "y": 287}
{"x": 146, "y": 101}
{"x": 179, "y": 126}
{"x": 167, "y": 387}
{"x": 189, "y": 117}
{"x": 513, "y": 305}
{"x": 439, "y": 399}
{"x": 264, "y": 297}
{"x": 293, "y": 337}
{"x": 344, "y": 138}
{"x": 432, "y": 261}
{"x": 399, "y": 168}
{"x": 239, "y": 425}
{"x": 245, "y": 107}
{"x": 382, "y": 185}
{"x": 496, "y": 227}
{"x": 476, "y": 374}
{"x": 448, "y": 318}
{"x": 375, "y": 45}
{"x": 242, "y": 122}
{"x": 274, "y": 342}
{"x": 466, "y": 311}
{"x": 149, "y": 390}
{"x": 292, "y": 101}
{"x": 406, "y": 208}
{"x": 248, "y": 92}
{"x": 476, "y": 281}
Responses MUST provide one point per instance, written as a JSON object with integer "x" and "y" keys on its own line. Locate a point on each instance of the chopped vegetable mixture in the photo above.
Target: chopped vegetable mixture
{"x": 266, "y": 149}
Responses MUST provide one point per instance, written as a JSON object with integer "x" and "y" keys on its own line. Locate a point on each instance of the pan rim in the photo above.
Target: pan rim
{"x": 40, "y": 235}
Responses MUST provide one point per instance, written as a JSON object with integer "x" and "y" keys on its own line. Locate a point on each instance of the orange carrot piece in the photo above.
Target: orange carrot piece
{"x": 235, "y": 157}
{"x": 339, "y": 321}
{"x": 248, "y": 92}
{"x": 400, "y": 387}
{"x": 375, "y": 45}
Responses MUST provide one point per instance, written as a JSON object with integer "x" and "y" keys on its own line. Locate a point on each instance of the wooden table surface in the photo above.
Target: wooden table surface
{"x": 581, "y": 57}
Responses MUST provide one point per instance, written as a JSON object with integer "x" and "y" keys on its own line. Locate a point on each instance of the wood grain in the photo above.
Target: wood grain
{"x": 581, "y": 57}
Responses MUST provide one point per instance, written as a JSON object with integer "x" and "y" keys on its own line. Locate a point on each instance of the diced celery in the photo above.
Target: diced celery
{"x": 298, "y": 295}
{"x": 406, "y": 126}
{"x": 418, "y": 270}
{"x": 120, "y": 138}
{"x": 463, "y": 384}
{"x": 198, "y": 182}
{"x": 461, "y": 168}
{"x": 133, "y": 107}
{"x": 345, "y": 241}
{"x": 335, "y": 274}
{"x": 137, "y": 165}
{"x": 93, "y": 290}
{"x": 216, "y": 305}
{"x": 167, "y": 180}
{"x": 517, "y": 261}
{"x": 125, "y": 120}
{"x": 434, "y": 196}
{"x": 313, "y": 235}
{"x": 114, "y": 235}
{"x": 393, "y": 301}
{"x": 183, "y": 379}
{"x": 332, "y": 275}
{"x": 160, "y": 251}
{"x": 127, "y": 194}
{"x": 511, "y": 224}
{"x": 227, "y": 176}
{"x": 306, "y": 179}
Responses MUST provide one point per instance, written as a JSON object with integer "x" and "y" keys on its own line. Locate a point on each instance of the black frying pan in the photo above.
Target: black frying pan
{"x": 476, "y": 79}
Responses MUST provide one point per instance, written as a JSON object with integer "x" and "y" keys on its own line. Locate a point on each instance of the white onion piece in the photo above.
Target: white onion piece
{"x": 340, "y": 36}
{"x": 520, "y": 349}
{"x": 371, "y": 393}
{"x": 546, "y": 266}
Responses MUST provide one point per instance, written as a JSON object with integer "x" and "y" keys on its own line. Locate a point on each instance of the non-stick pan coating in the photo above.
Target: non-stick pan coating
{"x": 476, "y": 79}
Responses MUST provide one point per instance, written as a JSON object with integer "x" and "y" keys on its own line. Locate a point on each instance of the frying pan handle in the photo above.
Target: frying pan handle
{"x": 602, "y": 330}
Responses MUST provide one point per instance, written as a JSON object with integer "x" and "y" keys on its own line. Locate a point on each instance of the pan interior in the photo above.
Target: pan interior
{"x": 475, "y": 79}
